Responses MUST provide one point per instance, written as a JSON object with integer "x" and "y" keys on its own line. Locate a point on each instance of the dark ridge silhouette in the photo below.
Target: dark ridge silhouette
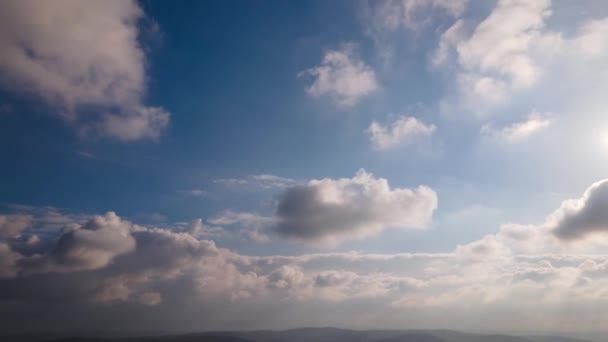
{"x": 311, "y": 335}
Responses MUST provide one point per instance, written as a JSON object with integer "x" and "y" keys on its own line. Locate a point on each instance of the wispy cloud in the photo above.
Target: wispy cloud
{"x": 262, "y": 181}
{"x": 196, "y": 193}
{"x": 252, "y": 226}
{"x": 518, "y": 131}
{"x": 404, "y": 130}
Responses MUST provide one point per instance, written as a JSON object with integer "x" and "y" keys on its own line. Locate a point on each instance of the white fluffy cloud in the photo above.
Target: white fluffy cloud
{"x": 343, "y": 76}
{"x": 518, "y": 131}
{"x": 328, "y": 211}
{"x": 402, "y": 131}
{"x": 84, "y": 59}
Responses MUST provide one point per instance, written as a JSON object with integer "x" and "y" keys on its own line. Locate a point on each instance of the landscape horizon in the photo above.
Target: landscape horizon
{"x": 321, "y": 334}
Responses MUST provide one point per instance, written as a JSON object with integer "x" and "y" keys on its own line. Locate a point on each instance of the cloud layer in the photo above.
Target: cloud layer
{"x": 167, "y": 278}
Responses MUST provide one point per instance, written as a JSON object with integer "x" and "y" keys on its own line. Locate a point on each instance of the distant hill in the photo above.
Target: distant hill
{"x": 554, "y": 339}
{"x": 313, "y": 335}
{"x": 412, "y": 337}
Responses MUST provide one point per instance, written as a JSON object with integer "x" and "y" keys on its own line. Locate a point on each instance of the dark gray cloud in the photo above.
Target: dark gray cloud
{"x": 576, "y": 219}
{"x": 328, "y": 211}
{"x": 90, "y": 246}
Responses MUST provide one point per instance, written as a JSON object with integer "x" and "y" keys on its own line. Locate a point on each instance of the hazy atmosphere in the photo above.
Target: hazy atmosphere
{"x": 172, "y": 167}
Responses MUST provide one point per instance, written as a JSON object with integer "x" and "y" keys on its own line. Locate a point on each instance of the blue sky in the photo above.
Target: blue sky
{"x": 238, "y": 109}
{"x": 246, "y": 125}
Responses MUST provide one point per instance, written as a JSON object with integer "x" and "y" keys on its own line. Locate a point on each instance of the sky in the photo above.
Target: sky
{"x": 247, "y": 165}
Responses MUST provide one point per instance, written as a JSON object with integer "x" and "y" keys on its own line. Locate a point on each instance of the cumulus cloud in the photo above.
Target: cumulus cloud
{"x": 91, "y": 246}
{"x": 66, "y": 244}
{"x": 329, "y": 211}
{"x": 343, "y": 76}
{"x": 579, "y": 218}
{"x": 518, "y": 131}
{"x": 402, "y": 131}
{"x": 84, "y": 59}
